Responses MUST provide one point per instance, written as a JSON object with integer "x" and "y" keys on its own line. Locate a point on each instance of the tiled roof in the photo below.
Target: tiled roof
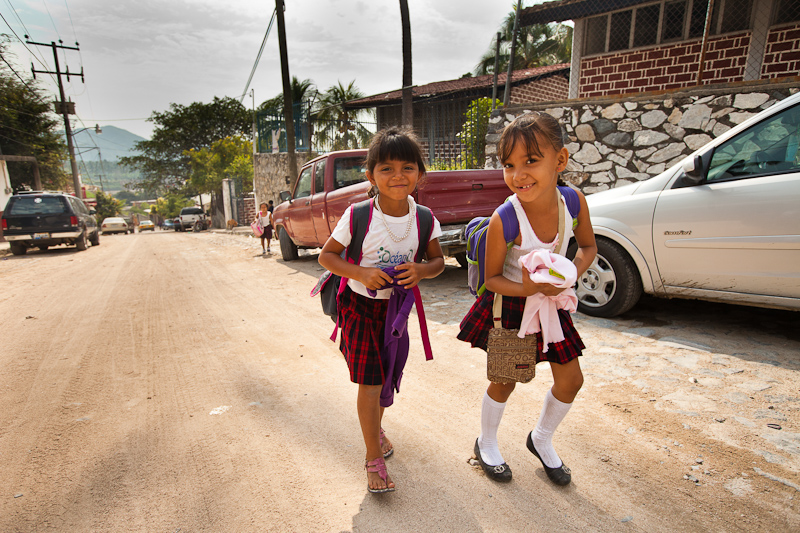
{"x": 570, "y": 9}
{"x": 441, "y": 88}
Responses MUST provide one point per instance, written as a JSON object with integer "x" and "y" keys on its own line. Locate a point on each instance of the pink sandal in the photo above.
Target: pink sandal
{"x": 378, "y": 465}
{"x": 391, "y": 451}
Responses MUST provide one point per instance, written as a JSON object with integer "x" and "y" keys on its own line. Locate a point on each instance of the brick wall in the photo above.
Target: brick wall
{"x": 665, "y": 67}
{"x": 549, "y": 89}
{"x": 782, "y": 54}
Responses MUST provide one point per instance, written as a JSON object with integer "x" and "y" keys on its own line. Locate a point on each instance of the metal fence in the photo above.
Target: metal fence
{"x": 311, "y": 132}
{"x": 451, "y": 130}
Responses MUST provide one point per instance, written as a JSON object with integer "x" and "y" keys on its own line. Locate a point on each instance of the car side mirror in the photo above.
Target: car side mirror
{"x": 93, "y": 211}
{"x": 693, "y": 169}
{"x": 285, "y": 196}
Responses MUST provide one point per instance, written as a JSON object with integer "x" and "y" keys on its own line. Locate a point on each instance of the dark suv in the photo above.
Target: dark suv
{"x": 43, "y": 219}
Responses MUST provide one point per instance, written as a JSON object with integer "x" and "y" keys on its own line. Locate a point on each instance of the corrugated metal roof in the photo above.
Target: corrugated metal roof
{"x": 571, "y": 9}
{"x": 441, "y": 88}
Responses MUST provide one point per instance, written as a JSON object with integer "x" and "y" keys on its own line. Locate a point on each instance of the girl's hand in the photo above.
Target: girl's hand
{"x": 411, "y": 275}
{"x": 530, "y": 287}
{"x": 374, "y": 278}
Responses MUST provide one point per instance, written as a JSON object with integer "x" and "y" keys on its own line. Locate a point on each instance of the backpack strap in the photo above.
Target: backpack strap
{"x": 360, "y": 219}
{"x": 424, "y": 230}
{"x": 573, "y": 202}
{"x": 508, "y": 216}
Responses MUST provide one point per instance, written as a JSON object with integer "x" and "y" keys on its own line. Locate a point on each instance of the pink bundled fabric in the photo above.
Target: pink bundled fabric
{"x": 541, "y": 312}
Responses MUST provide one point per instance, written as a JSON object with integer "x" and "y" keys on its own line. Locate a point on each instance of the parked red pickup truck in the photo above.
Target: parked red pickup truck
{"x": 328, "y": 184}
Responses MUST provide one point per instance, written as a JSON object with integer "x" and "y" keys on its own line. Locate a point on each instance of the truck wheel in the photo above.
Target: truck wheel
{"x": 288, "y": 248}
{"x": 461, "y": 257}
{"x": 81, "y": 244}
{"x": 18, "y": 249}
{"x": 611, "y": 285}
{"x": 95, "y": 238}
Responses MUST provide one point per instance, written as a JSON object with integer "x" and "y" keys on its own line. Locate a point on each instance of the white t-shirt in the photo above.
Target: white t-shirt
{"x": 378, "y": 249}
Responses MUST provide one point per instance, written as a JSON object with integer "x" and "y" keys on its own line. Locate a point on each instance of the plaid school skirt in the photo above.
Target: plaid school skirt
{"x": 362, "y": 321}
{"x": 478, "y": 321}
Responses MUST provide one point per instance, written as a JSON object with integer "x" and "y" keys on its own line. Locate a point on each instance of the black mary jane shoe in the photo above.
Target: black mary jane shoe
{"x": 560, "y": 476}
{"x": 500, "y": 473}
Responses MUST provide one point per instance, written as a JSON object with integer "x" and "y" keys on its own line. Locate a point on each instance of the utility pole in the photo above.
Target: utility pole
{"x": 287, "y": 91}
{"x": 496, "y": 66}
{"x": 63, "y": 107}
{"x": 507, "y": 92}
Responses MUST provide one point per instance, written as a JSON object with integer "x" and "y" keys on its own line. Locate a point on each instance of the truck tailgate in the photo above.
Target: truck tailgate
{"x": 457, "y": 196}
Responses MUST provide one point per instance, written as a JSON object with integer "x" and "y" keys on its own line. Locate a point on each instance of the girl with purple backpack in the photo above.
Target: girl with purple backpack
{"x": 532, "y": 152}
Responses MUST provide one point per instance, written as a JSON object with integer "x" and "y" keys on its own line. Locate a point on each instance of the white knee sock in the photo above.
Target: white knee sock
{"x": 553, "y": 412}
{"x": 491, "y": 414}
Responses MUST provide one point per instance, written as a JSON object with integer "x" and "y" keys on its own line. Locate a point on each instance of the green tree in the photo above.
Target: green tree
{"x": 164, "y": 163}
{"x": 170, "y": 205}
{"x": 107, "y": 206}
{"x": 337, "y": 126}
{"x": 537, "y": 45}
{"x": 29, "y": 128}
{"x": 473, "y": 132}
{"x": 228, "y": 158}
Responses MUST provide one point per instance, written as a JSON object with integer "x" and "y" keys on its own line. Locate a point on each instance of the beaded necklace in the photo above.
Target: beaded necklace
{"x": 410, "y": 224}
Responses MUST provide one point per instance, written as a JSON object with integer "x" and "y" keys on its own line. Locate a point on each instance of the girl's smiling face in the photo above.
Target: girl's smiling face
{"x": 531, "y": 176}
{"x": 395, "y": 179}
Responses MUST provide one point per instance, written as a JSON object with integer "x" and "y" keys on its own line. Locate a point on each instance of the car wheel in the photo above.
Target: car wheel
{"x": 18, "y": 249}
{"x": 611, "y": 285}
{"x": 95, "y": 238}
{"x": 81, "y": 244}
{"x": 288, "y": 247}
{"x": 461, "y": 257}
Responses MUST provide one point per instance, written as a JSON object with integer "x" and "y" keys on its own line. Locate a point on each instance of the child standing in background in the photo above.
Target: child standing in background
{"x": 532, "y": 152}
{"x": 394, "y": 167}
{"x": 265, "y": 217}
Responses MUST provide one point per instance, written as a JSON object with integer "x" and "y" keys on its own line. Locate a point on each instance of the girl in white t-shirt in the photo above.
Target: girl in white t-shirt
{"x": 394, "y": 167}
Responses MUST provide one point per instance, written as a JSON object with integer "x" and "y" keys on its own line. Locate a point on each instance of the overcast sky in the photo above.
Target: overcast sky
{"x": 140, "y": 56}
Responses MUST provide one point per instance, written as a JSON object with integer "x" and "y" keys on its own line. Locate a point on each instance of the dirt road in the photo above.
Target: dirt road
{"x": 180, "y": 382}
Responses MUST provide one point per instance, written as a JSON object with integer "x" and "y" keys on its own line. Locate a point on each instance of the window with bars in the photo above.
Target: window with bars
{"x": 672, "y": 20}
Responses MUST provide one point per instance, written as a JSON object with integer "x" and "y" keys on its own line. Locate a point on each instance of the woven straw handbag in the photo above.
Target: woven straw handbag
{"x": 509, "y": 358}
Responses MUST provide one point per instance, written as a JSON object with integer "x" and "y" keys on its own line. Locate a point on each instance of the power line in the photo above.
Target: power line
{"x": 23, "y": 43}
{"x": 51, "y": 18}
{"x": 14, "y": 10}
{"x": 258, "y": 58}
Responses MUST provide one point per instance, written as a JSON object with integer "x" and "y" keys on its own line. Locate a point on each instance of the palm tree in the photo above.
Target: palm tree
{"x": 537, "y": 45}
{"x": 302, "y": 91}
{"x": 337, "y": 126}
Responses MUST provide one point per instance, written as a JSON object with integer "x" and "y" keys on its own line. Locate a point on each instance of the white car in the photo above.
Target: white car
{"x": 114, "y": 225}
{"x": 721, "y": 225}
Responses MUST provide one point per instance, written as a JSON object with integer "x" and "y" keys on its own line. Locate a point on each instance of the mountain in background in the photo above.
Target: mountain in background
{"x": 113, "y": 143}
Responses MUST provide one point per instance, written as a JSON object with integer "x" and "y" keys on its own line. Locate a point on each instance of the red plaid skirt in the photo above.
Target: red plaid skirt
{"x": 362, "y": 321}
{"x": 478, "y": 321}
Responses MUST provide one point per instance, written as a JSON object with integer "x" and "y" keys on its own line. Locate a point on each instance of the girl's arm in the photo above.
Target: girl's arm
{"x": 415, "y": 272}
{"x": 584, "y": 235}
{"x": 496, "y": 250}
{"x": 330, "y": 258}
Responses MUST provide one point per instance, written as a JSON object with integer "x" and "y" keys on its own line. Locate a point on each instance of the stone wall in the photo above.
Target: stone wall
{"x": 614, "y": 143}
{"x": 271, "y": 172}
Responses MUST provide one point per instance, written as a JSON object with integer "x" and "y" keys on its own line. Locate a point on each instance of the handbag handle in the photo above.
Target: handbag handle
{"x": 497, "y": 306}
